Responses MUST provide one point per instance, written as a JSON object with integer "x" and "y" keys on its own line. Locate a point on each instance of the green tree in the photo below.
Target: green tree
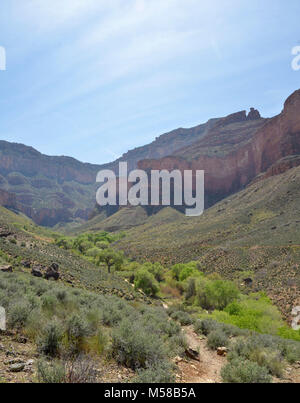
{"x": 111, "y": 258}
{"x": 146, "y": 282}
{"x": 216, "y": 294}
{"x": 156, "y": 269}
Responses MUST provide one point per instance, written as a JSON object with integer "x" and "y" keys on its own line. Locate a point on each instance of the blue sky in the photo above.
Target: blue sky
{"x": 94, "y": 78}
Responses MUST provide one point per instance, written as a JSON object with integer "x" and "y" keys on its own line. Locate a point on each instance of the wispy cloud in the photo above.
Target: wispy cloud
{"x": 112, "y": 72}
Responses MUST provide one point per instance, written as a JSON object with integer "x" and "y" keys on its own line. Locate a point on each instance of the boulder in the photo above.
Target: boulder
{"x": 6, "y": 269}
{"x": 26, "y": 264}
{"x": 52, "y": 272}
{"x": 193, "y": 354}
{"x": 54, "y": 266}
{"x": 248, "y": 282}
{"x": 36, "y": 271}
{"x": 4, "y": 233}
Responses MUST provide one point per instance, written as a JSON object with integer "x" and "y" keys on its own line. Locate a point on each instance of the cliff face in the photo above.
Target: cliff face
{"x": 47, "y": 189}
{"x": 8, "y": 199}
{"x": 52, "y": 190}
{"x": 233, "y": 151}
{"x": 31, "y": 163}
{"x": 274, "y": 140}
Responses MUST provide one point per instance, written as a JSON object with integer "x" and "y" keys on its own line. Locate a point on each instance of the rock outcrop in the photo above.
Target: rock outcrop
{"x": 253, "y": 114}
{"x": 274, "y": 147}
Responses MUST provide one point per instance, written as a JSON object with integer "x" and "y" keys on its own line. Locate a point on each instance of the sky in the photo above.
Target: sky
{"x": 92, "y": 79}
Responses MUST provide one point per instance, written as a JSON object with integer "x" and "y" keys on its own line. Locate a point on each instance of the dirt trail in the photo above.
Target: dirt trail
{"x": 210, "y": 365}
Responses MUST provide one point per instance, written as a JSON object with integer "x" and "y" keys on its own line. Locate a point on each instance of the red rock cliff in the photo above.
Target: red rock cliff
{"x": 278, "y": 138}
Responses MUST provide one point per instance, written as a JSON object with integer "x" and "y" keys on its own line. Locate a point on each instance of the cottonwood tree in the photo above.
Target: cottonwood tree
{"x": 111, "y": 258}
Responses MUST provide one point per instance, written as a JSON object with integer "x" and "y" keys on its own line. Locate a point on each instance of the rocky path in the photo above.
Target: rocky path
{"x": 207, "y": 370}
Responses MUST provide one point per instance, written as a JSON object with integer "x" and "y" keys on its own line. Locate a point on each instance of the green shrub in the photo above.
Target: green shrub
{"x": 216, "y": 294}
{"x": 77, "y": 329}
{"x": 156, "y": 269}
{"x": 270, "y": 360}
{"x": 216, "y": 339}
{"x": 288, "y": 333}
{"x": 98, "y": 343}
{"x": 51, "y": 372}
{"x": 64, "y": 243}
{"x": 254, "y": 312}
{"x": 83, "y": 245}
{"x": 71, "y": 370}
{"x": 135, "y": 347}
{"x": 102, "y": 245}
{"x": 178, "y": 343}
{"x": 161, "y": 372}
{"x": 190, "y": 291}
{"x": 244, "y": 371}
{"x": 206, "y": 326}
{"x": 50, "y": 341}
{"x": 61, "y": 295}
{"x": 290, "y": 350}
{"x": 49, "y": 303}
{"x": 146, "y": 282}
{"x": 176, "y": 270}
{"x": 183, "y": 317}
{"x": 263, "y": 350}
{"x": 35, "y": 321}
{"x": 93, "y": 252}
{"x": 18, "y": 314}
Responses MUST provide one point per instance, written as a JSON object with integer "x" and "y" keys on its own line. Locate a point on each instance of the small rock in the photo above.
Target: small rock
{"x": 17, "y": 367}
{"x": 194, "y": 355}
{"x": 10, "y": 353}
{"x": 20, "y": 339}
{"x": 178, "y": 359}
{"x": 28, "y": 366}
{"x": 14, "y": 361}
{"x": 222, "y": 351}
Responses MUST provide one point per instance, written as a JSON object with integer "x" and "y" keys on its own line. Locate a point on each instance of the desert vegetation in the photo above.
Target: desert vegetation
{"x": 91, "y": 316}
{"x": 70, "y": 325}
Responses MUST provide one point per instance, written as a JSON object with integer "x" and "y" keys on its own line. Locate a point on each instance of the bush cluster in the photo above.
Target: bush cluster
{"x": 72, "y": 322}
